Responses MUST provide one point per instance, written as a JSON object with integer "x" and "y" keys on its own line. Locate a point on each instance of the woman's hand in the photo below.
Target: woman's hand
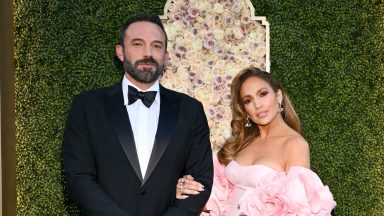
{"x": 187, "y": 186}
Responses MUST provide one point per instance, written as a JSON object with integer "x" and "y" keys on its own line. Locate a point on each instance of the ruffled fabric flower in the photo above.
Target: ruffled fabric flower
{"x": 307, "y": 192}
{"x": 221, "y": 190}
{"x": 266, "y": 198}
{"x": 300, "y": 192}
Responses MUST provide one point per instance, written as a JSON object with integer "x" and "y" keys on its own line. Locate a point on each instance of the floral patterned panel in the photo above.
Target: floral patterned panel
{"x": 209, "y": 41}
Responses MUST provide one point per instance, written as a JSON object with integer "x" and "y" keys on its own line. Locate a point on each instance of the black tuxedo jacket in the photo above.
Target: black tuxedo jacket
{"x": 101, "y": 164}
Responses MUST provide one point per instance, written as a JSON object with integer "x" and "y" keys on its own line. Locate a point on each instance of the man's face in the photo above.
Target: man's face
{"x": 144, "y": 53}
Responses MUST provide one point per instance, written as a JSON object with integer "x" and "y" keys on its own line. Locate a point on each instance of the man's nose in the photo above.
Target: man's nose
{"x": 147, "y": 51}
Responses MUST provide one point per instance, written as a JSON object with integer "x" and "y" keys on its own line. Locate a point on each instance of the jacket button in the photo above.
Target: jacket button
{"x": 142, "y": 191}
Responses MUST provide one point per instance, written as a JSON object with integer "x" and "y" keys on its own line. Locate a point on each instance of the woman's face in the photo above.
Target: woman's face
{"x": 260, "y": 101}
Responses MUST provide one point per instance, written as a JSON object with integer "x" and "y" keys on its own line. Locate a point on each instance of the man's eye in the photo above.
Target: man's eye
{"x": 157, "y": 46}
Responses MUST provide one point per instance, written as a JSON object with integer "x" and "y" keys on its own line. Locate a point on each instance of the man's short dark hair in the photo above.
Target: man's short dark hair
{"x": 140, "y": 18}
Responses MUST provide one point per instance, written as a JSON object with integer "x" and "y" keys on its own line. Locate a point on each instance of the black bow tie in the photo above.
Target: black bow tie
{"x": 146, "y": 97}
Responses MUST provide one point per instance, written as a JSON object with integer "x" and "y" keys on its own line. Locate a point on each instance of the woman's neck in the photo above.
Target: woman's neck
{"x": 274, "y": 128}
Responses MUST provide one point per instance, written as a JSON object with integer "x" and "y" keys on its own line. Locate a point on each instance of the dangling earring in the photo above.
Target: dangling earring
{"x": 247, "y": 122}
{"x": 281, "y": 107}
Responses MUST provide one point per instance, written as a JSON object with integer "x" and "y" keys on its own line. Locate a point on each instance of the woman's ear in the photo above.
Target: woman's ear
{"x": 279, "y": 96}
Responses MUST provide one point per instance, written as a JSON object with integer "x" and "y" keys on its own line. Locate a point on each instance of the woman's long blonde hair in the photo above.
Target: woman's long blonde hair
{"x": 241, "y": 135}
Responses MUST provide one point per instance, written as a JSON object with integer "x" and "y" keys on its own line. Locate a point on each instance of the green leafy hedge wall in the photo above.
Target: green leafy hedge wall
{"x": 328, "y": 54}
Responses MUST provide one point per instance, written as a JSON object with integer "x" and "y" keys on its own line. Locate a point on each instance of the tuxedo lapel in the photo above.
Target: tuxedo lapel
{"x": 119, "y": 119}
{"x": 169, "y": 112}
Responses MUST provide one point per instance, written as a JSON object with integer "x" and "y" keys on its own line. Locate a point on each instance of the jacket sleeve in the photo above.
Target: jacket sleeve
{"x": 80, "y": 169}
{"x": 199, "y": 165}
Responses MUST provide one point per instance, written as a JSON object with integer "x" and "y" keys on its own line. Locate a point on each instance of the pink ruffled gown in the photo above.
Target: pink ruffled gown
{"x": 260, "y": 190}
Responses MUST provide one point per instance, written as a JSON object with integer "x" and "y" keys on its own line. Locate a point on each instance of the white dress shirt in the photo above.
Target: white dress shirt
{"x": 144, "y": 122}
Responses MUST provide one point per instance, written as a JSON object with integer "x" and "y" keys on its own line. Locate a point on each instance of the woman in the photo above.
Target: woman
{"x": 264, "y": 168}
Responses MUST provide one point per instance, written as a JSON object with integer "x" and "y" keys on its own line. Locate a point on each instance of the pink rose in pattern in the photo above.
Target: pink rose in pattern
{"x": 177, "y": 16}
{"x": 245, "y": 20}
{"x": 216, "y": 88}
{"x": 199, "y": 82}
{"x": 229, "y": 21}
{"x": 236, "y": 8}
{"x": 180, "y": 49}
{"x": 193, "y": 12}
{"x": 227, "y": 98}
{"x": 219, "y": 79}
{"x": 209, "y": 43}
{"x": 230, "y": 36}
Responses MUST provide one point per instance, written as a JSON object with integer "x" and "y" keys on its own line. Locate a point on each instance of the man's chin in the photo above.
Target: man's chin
{"x": 145, "y": 77}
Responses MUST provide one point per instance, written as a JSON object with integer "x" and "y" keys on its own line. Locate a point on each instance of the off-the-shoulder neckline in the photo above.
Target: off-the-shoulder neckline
{"x": 266, "y": 166}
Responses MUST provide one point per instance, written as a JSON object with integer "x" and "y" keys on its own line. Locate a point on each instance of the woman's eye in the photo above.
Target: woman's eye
{"x": 262, "y": 94}
{"x": 246, "y": 101}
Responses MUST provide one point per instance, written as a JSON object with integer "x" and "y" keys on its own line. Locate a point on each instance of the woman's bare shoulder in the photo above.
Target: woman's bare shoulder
{"x": 296, "y": 151}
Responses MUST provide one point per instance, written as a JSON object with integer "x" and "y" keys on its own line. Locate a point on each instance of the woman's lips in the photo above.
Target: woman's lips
{"x": 261, "y": 114}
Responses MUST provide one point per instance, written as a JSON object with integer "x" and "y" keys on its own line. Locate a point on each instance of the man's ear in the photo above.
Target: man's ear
{"x": 120, "y": 52}
{"x": 167, "y": 58}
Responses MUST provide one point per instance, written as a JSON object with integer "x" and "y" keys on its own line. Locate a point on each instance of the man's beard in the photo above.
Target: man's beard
{"x": 146, "y": 75}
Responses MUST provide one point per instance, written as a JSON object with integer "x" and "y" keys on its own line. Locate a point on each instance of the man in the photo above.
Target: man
{"x": 126, "y": 146}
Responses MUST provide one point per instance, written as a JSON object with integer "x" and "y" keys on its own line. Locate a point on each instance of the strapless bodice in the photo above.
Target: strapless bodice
{"x": 246, "y": 176}
{"x": 261, "y": 190}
